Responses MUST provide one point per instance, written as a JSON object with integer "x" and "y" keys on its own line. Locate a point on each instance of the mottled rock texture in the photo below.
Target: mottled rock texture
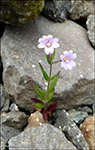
{"x": 19, "y": 12}
{"x": 17, "y": 120}
{"x": 20, "y": 57}
{"x": 43, "y": 137}
{"x": 88, "y": 130}
{"x": 90, "y": 23}
{"x": 57, "y": 11}
{"x": 71, "y": 130}
{"x": 81, "y": 9}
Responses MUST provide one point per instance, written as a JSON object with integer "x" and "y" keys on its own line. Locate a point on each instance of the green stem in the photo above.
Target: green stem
{"x": 49, "y": 79}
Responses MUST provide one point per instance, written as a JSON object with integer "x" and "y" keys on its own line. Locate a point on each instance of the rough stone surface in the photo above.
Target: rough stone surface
{"x": 13, "y": 107}
{"x": 82, "y": 9}
{"x": 90, "y": 23}
{"x": 19, "y": 12}
{"x": 20, "y": 57}
{"x": 43, "y": 137}
{"x": 57, "y": 10}
{"x": 88, "y": 130}
{"x": 72, "y": 132}
{"x": 3, "y": 144}
{"x": 6, "y": 106}
{"x": 34, "y": 120}
{"x": 85, "y": 109}
{"x": 77, "y": 116}
{"x": 3, "y": 96}
{"x": 7, "y": 132}
{"x": 14, "y": 119}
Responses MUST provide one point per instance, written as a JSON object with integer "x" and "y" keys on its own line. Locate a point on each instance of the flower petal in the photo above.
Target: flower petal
{"x": 49, "y": 51}
{"x": 41, "y": 45}
{"x": 55, "y": 40}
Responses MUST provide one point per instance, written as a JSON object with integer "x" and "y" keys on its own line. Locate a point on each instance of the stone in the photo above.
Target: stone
{"x": 88, "y": 130}
{"x": 84, "y": 108}
{"x": 82, "y": 9}
{"x": 20, "y": 12}
{"x": 90, "y": 23}
{"x": 17, "y": 120}
{"x": 3, "y": 144}
{"x": 7, "y": 132}
{"x": 3, "y": 96}
{"x": 13, "y": 107}
{"x": 56, "y": 10}
{"x": 93, "y": 107}
{"x": 65, "y": 123}
{"x": 43, "y": 137}
{"x": 20, "y": 60}
{"x": 35, "y": 119}
{"x": 6, "y": 106}
{"x": 77, "y": 116}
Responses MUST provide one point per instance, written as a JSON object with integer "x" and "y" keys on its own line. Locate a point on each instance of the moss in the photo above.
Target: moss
{"x": 19, "y": 12}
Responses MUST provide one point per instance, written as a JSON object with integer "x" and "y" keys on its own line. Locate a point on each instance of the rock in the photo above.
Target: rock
{"x": 20, "y": 12}
{"x": 77, "y": 116}
{"x": 43, "y": 137}
{"x": 35, "y": 119}
{"x": 3, "y": 144}
{"x": 20, "y": 61}
{"x": 71, "y": 131}
{"x": 3, "y": 96}
{"x": 6, "y": 106}
{"x": 82, "y": 9}
{"x": 57, "y": 10}
{"x": 88, "y": 130}
{"x": 7, "y": 132}
{"x": 84, "y": 108}
{"x": 17, "y": 120}
{"x": 13, "y": 107}
{"x": 93, "y": 107}
{"x": 90, "y": 23}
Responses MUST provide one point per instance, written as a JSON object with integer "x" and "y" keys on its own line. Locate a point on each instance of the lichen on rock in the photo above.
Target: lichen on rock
{"x": 20, "y": 12}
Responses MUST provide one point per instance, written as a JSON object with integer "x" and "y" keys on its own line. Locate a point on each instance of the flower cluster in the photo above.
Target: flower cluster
{"x": 67, "y": 62}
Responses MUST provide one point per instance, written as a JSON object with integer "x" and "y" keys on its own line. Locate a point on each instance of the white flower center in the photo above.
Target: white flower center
{"x": 66, "y": 59}
{"x": 48, "y": 44}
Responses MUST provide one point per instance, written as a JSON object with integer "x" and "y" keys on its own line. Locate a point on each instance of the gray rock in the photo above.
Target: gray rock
{"x": 82, "y": 9}
{"x": 3, "y": 96}
{"x": 84, "y": 108}
{"x": 93, "y": 107}
{"x": 90, "y": 23}
{"x": 20, "y": 57}
{"x": 43, "y": 137}
{"x": 7, "y": 132}
{"x": 13, "y": 107}
{"x": 57, "y": 10}
{"x": 3, "y": 144}
{"x": 19, "y": 12}
{"x": 77, "y": 116}
{"x": 72, "y": 132}
{"x": 6, "y": 106}
{"x": 14, "y": 119}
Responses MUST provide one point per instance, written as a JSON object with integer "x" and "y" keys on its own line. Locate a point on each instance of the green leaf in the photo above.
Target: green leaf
{"x": 44, "y": 73}
{"x": 53, "y": 77}
{"x": 41, "y": 93}
{"x": 50, "y": 95}
{"x": 39, "y": 105}
{"x": 53, "y": 82}
{"x": 48, "y": 60}
{"x": 52, "y": 56}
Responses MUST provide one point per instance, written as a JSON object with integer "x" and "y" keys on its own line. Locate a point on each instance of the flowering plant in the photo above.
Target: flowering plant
{"x": 43, "y": 104}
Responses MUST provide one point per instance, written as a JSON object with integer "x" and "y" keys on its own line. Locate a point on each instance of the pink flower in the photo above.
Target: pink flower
{"x": 67, "y": 60}
{"x": 48, "y": 43}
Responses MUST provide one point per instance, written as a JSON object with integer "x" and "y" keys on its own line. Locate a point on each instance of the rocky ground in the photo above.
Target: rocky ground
{"x": 72, "y": 124}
